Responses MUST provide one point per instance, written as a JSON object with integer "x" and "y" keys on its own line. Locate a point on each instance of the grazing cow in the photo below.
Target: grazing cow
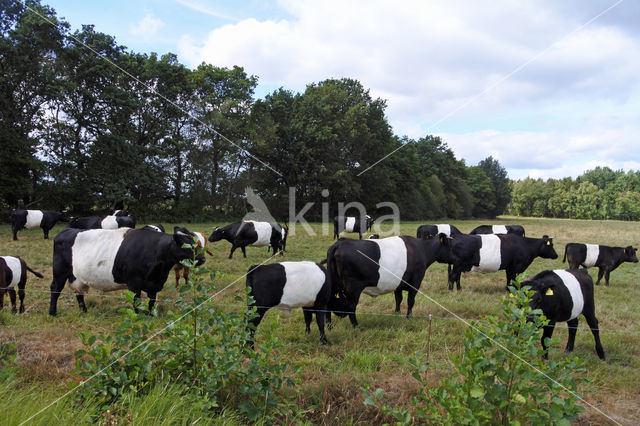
{"x": 351, "y": 224}
{"x": 498, "y": 229}
{"x": 102, "y": 222}
{"x": 376, "y": 267}
{"x": 33, "y": 219}
{"x": 201, "y": 241}
{"x": 494, "y": 252}
{"x": 13, "y": 271}
{"x": 116, "y": 259}
{"x": 604, "y": 257}
{"x": 289, "y": 285}
{"x": 429, "y": 231}
{"x": 252, "y": 233}
{"x": 562, "y": 295}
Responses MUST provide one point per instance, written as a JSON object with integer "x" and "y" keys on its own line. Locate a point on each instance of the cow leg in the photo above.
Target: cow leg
{"x": 14, "y": 230}
{"x": 606, "y": 277}
{"x": 2, "y": 291}
{"x": 56, "y": 289}
{"x": 600, "y": 273}
{"x": 136, "y": 301}
{"x": 547, "y": 332}
{"x": 12, "y": 296}
{"x": 454, "y": 277}
{"x": 80, "y": 299}
{"x": 253, "y": 325}
{"x": 46, "y": 233}
{"x": 21, "y": 297}
{"x": 573, "y": 328}
{"x": 244, "y": 251}
{"x": 152, "y": 300}
{"x": 308, "y": 317}
{"x": 176, "y": 271}
{"x": 233, "y": 248}
{"x": 398, "y": 294}
{"x": 328, "y": 319}
{"x": 352, "y": 318}
{"x": 320, "y": 322}
{"x": 593, "y": 325}
{"x": 185, "y": 274}
{"x": 411, "y": 299}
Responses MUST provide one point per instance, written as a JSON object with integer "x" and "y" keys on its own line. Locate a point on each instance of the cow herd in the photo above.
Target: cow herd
{"x": 107, "y": 253}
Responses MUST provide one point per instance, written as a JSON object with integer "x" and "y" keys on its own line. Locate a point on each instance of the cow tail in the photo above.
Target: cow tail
{"x": 564, "y": 259}
{"x": 332, "y": 268}
{"x": 37, "y": 274}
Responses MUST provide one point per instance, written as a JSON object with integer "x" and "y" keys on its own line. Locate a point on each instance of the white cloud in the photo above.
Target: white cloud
{"x": 147, "y": 27}
{"x": 433, "y": 63}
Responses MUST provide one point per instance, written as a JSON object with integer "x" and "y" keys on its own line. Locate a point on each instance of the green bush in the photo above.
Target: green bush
{"x": 7, "y": 361}
{"x": 200, "y": 349}
{"x": 500, "y": 378}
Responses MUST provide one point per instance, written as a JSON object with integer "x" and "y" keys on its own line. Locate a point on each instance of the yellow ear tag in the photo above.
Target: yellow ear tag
{"x": 549, "y": 292}
{"x": 548, "y": 243}
{"x": 337, "y": 296}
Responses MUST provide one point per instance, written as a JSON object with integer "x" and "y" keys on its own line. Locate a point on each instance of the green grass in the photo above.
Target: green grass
{"x": 375, "y": 355}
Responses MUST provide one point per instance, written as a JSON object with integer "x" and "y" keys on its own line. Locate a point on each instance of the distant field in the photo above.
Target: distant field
{"x": 377, "y": 353}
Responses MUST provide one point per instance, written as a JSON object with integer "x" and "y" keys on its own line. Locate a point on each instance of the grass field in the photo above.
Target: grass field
{"x": 375, "y": 355}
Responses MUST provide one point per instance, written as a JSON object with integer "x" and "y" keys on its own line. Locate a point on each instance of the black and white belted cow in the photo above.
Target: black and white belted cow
{"x": 498, "y": 229}
{"x": 116, "y": 259}
{"x": 606, "y": 258}
{"x": 34, "y": 219}
{"x": 351, "y": 224}
{"x": 289, "y": 285}
{"x": 13, "y": 272}
{"x": 103, "y": 222}
{"x": 252, "y": 233}
{"x": 494, "y": 252}
{"x": 380, "y": 266}
{"x": 562, "y": 295}
{"x": 429, "y": 231}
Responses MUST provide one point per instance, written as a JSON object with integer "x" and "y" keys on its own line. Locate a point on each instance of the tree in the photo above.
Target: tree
{"x": 500, "y": 181}
{"x": 482, "y": 192}
{"x": 28, "y": 48}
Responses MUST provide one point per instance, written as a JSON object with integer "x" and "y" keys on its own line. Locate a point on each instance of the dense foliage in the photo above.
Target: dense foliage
{"x": 85, "y": 122}
{"x": 197, "y": 348}
{"x": 597, "y": 194}
{"x": 500, "y": 377}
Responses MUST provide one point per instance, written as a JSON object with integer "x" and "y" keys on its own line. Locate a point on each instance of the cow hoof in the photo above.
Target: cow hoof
{"x": 330, "y": 326}
{"x": 324, "y": 341}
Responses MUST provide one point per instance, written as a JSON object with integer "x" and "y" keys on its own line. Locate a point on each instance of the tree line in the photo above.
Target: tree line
{"x": 86, "y": 122}
{"x": 601, "y": 193}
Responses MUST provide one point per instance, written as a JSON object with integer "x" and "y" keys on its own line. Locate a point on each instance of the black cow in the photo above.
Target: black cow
{"x": 562, "y": 295}
{"x": 116, "y": 259}
{"x": 376, "y": 267}
{"x": 289, "y": 285}
{"x": 498, "y": 229}
{"x": 490, "y": 253}
{"x": 351, "y": 224}
{"x": 33, "y": 219}
{"x": 13, "y": 271}
{"x": 252, "y": 233}
{"x": 604, "y": 257}
{"x": 103, "y": 222}
{"x": 429, "y": 231}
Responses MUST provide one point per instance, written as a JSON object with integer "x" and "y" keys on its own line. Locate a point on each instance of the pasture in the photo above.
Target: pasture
{"x": 376, "y": 354}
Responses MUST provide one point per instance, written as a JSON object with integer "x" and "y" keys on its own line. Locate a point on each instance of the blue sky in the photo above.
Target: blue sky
{"x": 550, "y": 89}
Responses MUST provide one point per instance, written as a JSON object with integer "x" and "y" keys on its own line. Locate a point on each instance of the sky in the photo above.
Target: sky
{"x": 549, "y": 89}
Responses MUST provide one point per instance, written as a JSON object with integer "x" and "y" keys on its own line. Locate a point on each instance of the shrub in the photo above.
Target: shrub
{"x": 500, "y": 378}
{"x": 200, "y": 349}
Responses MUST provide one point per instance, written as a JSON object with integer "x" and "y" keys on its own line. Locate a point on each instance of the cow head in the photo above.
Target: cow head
{"x": 340, "y": 305}
{"x": 63, "y": 216}
{"x": 182, "y": 236}
{"x": 547, "y": 251}
{"x": 217, "y": 234}
{"x": 630, "y": 254}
